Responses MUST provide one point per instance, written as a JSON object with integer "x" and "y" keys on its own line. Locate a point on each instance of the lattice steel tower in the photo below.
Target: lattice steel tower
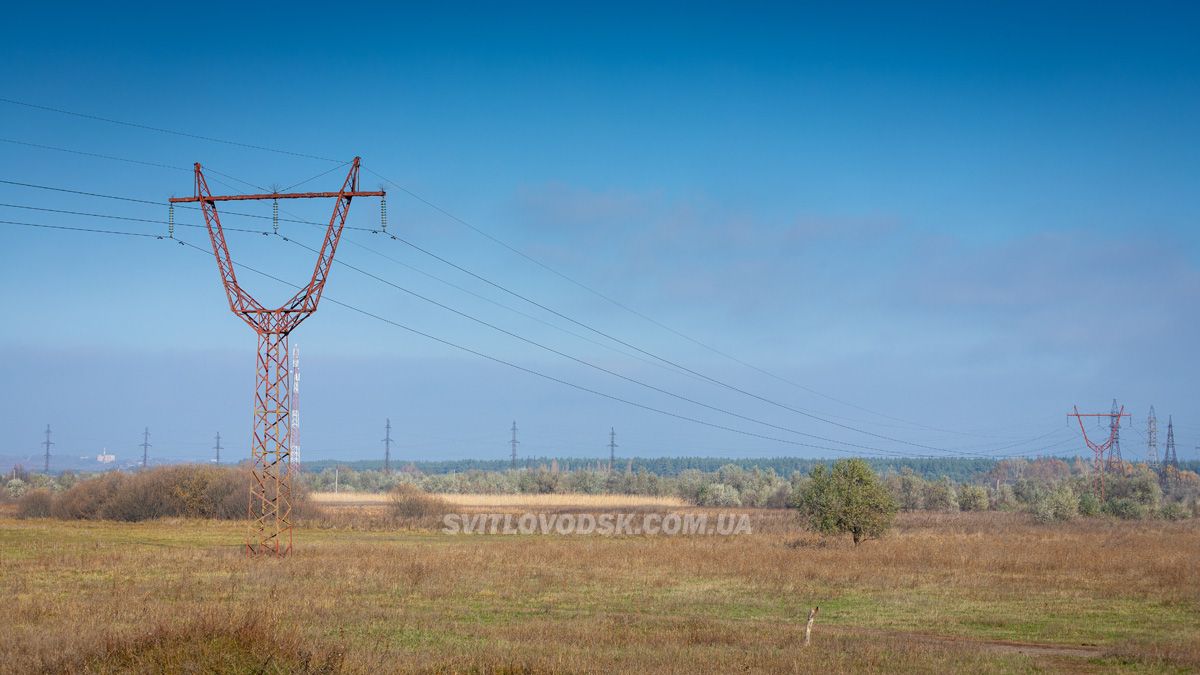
{"x": 1098, "y": 449}
{"x": 1152, "y": 439}
{"x": 1169, "y": 458}
{"x": 47, "y": 443}
{"x": 387, "y": 446}
{"x": 612, "y": 447}
{"x": 270, "y": 505}
{"x": 514, "y": 442}
{"x": 1115, "y": 461}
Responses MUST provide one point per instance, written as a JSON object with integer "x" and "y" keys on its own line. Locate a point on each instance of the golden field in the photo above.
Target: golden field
{"x": 510, "y": 501}
{"x": 961, "y": 592}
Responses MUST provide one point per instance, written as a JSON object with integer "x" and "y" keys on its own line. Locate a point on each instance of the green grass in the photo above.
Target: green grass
{"x": 157, "y": 592}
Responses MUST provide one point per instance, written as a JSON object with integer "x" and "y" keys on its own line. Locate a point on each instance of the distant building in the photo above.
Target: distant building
{"x": 105, "y": 458}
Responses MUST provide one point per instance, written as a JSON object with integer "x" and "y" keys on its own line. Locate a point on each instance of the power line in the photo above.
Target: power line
{"x": 536, "y": 373}
{"x": 127, "y": 218}
{"x": 595, "y": 366}
{"x": 559, "y": 380}
{"x": 530, "y": 301}
{"x": 665, "y": 360}
{"x": 567, "y": 383}
{"x": 164, "y": 131}
{"x": 511, "y": 248}
{"x": 641, "y": 315}
{"x": 114, "y": 158}
{"x": 159, "y": 204}
{"x": 82, "y": 229}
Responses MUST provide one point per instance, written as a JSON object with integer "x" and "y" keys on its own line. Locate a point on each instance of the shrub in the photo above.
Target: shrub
{"x": 186, "y": 491}
{"x": 972, "y": 498}
{"x": 909, "y": 490}
{"x": 1169, "y": 511}
{"x": 1126, "y": 508}
{"x": 1089, "y": 504}
{"x": 35, "y": 504}
{"x": 1061, "y": 503}
{"x": 1003, "y": 498}
{"x": 847, "y": 499}
{"x": 16, "y": 487}
{"x": 940, "y": 496}
{"x": 718, "y": 494}
{"x": 781, "y": 498}
{"x": 85, "y": 499}
{"x": 409, "y": 502}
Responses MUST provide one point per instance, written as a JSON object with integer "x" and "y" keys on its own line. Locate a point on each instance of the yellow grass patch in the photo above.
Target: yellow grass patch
{"x": 510, "y": 501}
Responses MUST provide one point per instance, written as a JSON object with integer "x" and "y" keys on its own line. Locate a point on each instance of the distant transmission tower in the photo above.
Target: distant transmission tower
{"x": 1169, "y": 458}
{"x": 1115, "y": 461}
{"x": 146, "y": 447}
{"x": 514, "y": 442}
{"x": 47, "y": 444}
{"x": 612, "y": 447}
{"x": 1152, "y": 439}
{"x": 1098, "y": 449}
{"x": 387, "y": 446}
{"x": 217, "y": 447}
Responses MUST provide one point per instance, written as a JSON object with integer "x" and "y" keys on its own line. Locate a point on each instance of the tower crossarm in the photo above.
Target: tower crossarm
{"x": 284, "y": 319}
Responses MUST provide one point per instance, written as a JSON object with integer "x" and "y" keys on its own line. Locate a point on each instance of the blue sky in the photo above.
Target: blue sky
{"x": 962, "y": 217}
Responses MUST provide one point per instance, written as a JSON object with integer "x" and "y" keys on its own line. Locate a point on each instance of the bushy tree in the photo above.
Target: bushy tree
{"x": 972, "y": 498}
{"x": 1089, "y": 504}
{"x": 16, "y": 487}
{"x": 847, "y": 499}
{"x": 1061, "y": 503}
{"x": 718, "y": 494}
{"x": 940, "y": 496}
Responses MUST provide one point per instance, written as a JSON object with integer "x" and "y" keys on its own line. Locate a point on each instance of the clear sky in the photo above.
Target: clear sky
{"x": 958, "y": 220}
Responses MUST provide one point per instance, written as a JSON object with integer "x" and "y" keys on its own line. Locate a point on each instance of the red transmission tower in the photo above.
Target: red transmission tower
{"x": 270, "y": 505}
{"x": 1098, "y": 449}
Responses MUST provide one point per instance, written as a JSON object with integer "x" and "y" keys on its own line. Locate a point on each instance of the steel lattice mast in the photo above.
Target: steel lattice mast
{"x": 270, "y": 504}
{"x": 1115, "y": 461}
{"x": 1098, "y": 449}
{"x": 1152, "y": 439}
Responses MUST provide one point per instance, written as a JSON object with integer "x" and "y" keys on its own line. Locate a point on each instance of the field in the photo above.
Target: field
{"x": 508, "y": 502}
{"x": 955, "y": 592}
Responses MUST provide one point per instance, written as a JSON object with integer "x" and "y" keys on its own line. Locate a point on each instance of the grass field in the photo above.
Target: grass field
{"x": 961, "y": 592}
{"x": 523, "y": 501}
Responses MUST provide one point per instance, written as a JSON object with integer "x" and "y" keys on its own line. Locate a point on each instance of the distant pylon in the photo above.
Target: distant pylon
{"x": 387, "y": 447}
{"x": 612, "y": 447}
{"x": 217, "y": 447}
{"x": 514, "y": 442}
{"x": 146, "y": 447}
{"x": 47, "y": 444}
{"x": 1115, "y": 461}
{"x": 1152, "y": 439}
{"x": 1169, "y": 458}
{"x": 1098, "y": 449}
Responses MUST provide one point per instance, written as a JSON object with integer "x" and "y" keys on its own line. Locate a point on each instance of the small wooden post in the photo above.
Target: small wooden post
{"x": 812, "y": 616}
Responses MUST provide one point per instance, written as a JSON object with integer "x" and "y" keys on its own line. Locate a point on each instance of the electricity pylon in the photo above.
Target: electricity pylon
{"x": 612, "y": 447}
{"x": 514, "y": 442}
{"x": 1098, "y": 449}
{"x": 1152, "y": 440}
{"x": 270, "y": 506}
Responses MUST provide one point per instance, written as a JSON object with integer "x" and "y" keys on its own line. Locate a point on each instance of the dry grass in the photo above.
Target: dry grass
{"x": 505, "y": 502}
{"x": 384, "y": 601}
